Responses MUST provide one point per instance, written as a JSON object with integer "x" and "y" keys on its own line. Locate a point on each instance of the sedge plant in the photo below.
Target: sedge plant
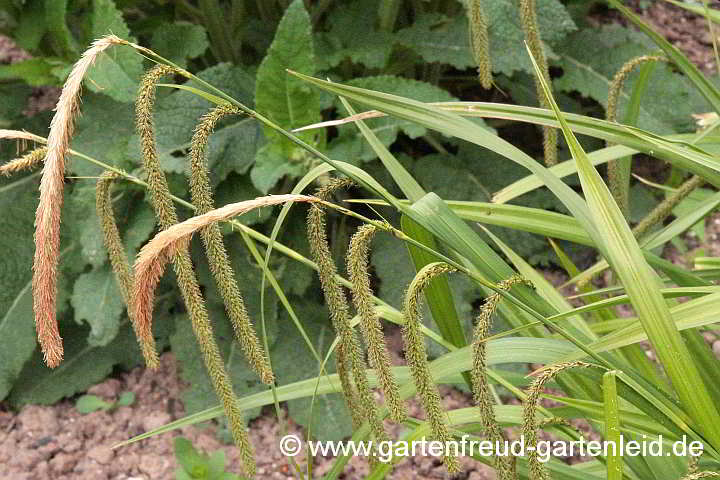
{"x": 583, "y": 348}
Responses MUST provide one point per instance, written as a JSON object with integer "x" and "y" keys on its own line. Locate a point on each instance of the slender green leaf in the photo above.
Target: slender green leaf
{"x": 612, "y": 426}
{"x": 622, "y": 252}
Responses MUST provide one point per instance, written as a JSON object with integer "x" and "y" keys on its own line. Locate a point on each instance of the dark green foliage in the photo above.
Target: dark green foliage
{"x": 179, "y": 41}
{"x": 591, "y": 57}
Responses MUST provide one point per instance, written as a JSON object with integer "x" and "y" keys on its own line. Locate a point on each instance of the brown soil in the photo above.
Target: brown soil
{"x": 687, "y": 31}
{"x": 56, "y": 442}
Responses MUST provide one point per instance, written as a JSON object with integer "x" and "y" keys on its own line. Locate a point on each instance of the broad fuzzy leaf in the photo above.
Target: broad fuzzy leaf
{"x": 282, "y": 98}
{"x": 97, "y": 301}
{"x": 17, "y": 329}
{"x": 285, "y": 100}
{"x": 82, "y": 366}
{"x": 101, "y": 134}
{"x": 353, "y": 35}
{"x": 36, "y": 72}
{"x": 117, "y": 71}
{"x": 18, "y": 333}
{"x": 439, "y": 39}
{"x": 15, "y": 98}
{"x": 179, "y": 41}
{"x": 31, "y": 26}
{"x": 60, "y": 37}
{"x": 85, "y": 229}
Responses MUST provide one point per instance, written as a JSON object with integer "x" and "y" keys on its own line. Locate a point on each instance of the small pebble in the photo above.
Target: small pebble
{"x": 716, "y": 348}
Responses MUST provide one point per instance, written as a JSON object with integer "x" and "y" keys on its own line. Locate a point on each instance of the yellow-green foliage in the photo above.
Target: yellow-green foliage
{"x": 615, "y": 177}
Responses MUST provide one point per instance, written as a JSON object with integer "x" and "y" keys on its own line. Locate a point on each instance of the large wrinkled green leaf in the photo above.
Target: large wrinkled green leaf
{"x": 17, "y": 327}
{"x": 102, "y": 135}
{"x": 61, "y": 39}
{"x": 117, "y": 71}
{"x": 83, "y": 366}
{"x": 97, "y": 301}
{"x": 440, "y": 39}
{"x": 285, "y": 100}
{"x": 353, "y": 35}
{"x": 18, "y": 203}
{"x": 179, "y": 41}
{"x": 34, "y": 71}
{"x": 15, "y": 97}
{"x": 31, "y": 26}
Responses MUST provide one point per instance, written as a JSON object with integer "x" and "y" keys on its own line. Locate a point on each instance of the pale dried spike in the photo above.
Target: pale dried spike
{"x": 20, "y": 135}
{"x": 151, "y": 261}
{"x": 47, "y": 216}
{"x": 26, "y": 162}
{"x": 699, "y": 475}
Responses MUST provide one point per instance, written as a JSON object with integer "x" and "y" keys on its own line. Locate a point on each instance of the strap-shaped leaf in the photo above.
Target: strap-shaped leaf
{"x": 619, "y": 247}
